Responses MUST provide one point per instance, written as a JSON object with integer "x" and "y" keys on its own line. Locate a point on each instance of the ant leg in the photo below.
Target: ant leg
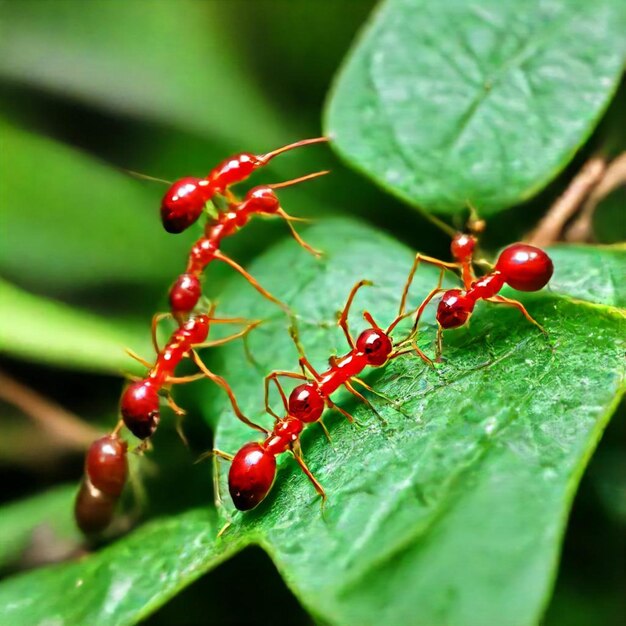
{"x": 266, "y": 294}
{"x": 409, "y": 281}
{"x": 521, "y": 308}
{"x": 345, "y": 413}
{"x": 116, "y": 431}
{"x": 360, "y": 381}
{"x": 274, "y": 377}
{"x": 174, "y": 406}
{"x": 297, "y": 455}
{"x": 342, "y": 321}
{"x": 439, "y": 348}
{"x": 360, "y": 396}
{"x": 222, "y": 455}
{"x": 133, "y": 355}
{"x": 218, "y": 380}
{"x": 304, "y": 363}
{"x": 156, "y": 318}
{"x": 233, "y": 320}
{"x": 180, "y": 413}
{"x": 422, "y": 306}
{"x": 326, "y": 433}
{"x": 182, "y": 380}
{"x": 294, "y": 233}
{"x": 237, "y": 335}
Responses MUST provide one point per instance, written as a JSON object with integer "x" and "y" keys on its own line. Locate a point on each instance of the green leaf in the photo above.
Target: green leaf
{"x": 445, "y": 103}
{"x": 50, "y": 512}
{"x": 452, "y": 512}
{"x": 183, "y": 69}
{"x": 122, "y": 583}
{"x": 45, "y": 331}
{"x": 593, "y": 273}
{"x": 74, "y": 222}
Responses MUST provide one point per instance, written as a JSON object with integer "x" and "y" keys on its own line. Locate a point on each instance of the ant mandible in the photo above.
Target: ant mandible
{"x": 184, "y": 201}
{"x": 253, "y": 469}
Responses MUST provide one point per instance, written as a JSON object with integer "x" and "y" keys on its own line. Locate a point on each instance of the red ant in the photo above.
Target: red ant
{"x": 139, "y": 404}
{"x": 186, "y": 291}
{"x": 253, "y": 468}
{"x": 183, "y": 203}
{"x": 521, "y": 266}
{"x": 106, "y": 465}
{"x": 106, "y": 470}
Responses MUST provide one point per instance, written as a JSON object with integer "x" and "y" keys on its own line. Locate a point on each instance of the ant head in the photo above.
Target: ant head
{"x": 462, "y": 246}
{"x": 251, "y": 476}
{"x": 454, "y": 309}
{"x": 375, "y": 345}
{"x": 525, "y": 267}
{"x": 197, "y": 328}
{"x": 263, "y": 200}
{"x": 306, "y": 403}
{"x": 140, "y": 408}
{"x": 183, "y": 203}
{"x": 185, "y": 293}
{"x": 106, "y": 465}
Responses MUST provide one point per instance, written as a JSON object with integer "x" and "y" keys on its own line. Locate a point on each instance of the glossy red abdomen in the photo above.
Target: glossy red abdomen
{"x": 524, "y": 267}
{"x": 251, "y": 476}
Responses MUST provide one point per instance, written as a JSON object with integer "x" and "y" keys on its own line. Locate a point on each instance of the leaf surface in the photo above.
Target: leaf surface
{"x": 450, "y": 103}
{"x": 451, "y": 512}
{"x": 45, "y": 331}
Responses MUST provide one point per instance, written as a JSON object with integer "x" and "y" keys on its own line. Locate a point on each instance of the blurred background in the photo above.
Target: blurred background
{"x": 90, "y": 92}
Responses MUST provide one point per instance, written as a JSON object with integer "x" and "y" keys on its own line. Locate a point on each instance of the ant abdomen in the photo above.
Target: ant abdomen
{"x": 251, "y": 476}
{"x": 525, "y": 267}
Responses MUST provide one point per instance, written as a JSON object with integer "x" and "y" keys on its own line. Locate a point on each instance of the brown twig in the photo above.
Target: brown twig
{"x": 614, "y": 177}
{"x": 68, "y": 429}
{"x": 551, "y": 226}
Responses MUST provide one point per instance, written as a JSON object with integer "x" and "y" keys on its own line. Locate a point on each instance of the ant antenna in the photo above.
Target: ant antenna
{"x": 294, "y": 181}
{"x": 147, "y": 177}
{"x": 264, "y": 158}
